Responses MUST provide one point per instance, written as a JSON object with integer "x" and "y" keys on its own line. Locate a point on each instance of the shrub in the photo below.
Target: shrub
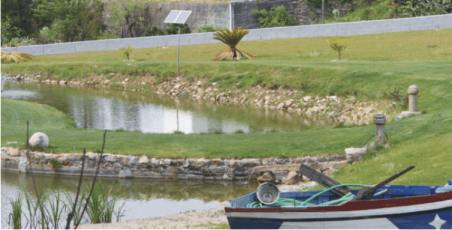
{"x": 208, "y": 28}
{"x": 15, "y": 57}
{"x": 338, "y": 47}
{"x": 174, "y": 28}
{"x": 127, "y": 52}
{"x": 276, "y": 16}
{"x": 152, "y": 31}
{"x": 47, "y": 35}
{"x": 21, "y": 41}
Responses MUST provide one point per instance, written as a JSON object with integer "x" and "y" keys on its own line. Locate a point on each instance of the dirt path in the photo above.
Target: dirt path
{"x": 191, "y": 219}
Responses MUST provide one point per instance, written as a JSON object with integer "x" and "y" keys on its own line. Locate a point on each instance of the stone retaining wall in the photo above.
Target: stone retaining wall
{"x": 127, "y": 166}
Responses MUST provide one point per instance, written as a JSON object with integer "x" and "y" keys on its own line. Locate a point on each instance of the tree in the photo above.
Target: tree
{"x": 69, "y": 20}
{"x": 413, "y": 8}
{"x": 231, "y": 38}
{"x": 276, "y": 16}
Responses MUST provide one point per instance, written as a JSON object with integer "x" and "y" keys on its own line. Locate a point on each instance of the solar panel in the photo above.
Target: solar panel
{"x": 177, "y": 16}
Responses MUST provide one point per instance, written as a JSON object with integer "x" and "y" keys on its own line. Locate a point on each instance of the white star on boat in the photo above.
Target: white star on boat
{"x": 437, "y": 222}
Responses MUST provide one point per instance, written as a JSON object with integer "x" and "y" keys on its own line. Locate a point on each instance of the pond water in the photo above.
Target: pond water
{"x": 149, "y": 113}
{"x": 142, "y": 198}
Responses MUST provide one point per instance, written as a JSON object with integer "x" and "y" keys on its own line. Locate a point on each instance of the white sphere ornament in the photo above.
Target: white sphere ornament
{"x": 39, "y": 140}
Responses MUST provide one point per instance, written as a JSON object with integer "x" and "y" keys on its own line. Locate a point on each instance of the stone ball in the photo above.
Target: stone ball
{"x": 39, "y": 140}
{"x": 413, "y": 90}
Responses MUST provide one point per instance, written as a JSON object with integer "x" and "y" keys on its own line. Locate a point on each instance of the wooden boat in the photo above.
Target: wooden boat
{"x": 394, "y": 206}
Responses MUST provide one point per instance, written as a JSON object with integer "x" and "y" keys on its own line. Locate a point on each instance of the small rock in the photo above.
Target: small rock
{"x": 291, "y": 178}
{"x": 143, "y": 160}
{"x": 125, "y": 173}
{"x": 354, "y": 154}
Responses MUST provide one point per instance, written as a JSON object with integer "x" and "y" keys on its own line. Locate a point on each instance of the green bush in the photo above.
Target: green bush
{"x": 276, "y": 16}
{"x": 208, "y": 28}
{"x": 173, "y": 29}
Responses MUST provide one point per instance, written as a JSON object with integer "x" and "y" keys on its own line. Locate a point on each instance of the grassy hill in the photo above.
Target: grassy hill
{"x": 374, "y": 67}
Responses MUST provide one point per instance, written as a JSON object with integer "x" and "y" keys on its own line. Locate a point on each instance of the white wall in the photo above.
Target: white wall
{"x": 333, "y": 29}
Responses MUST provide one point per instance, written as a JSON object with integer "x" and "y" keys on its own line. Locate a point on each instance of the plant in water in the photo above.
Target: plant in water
{"x": 338, "y": 47}
{"x": 15, "y": 57}
{"x": 102, "y": 208}
{"x": 127, "y": 52}
{"x": 231, "y": 38}
{"x": 55, "y": 164}
{"x": 16, "y": 214}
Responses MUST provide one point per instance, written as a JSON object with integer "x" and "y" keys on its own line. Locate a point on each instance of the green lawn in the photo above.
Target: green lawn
{"x": 374, "y": 67}
{"x": 65, "y": 137}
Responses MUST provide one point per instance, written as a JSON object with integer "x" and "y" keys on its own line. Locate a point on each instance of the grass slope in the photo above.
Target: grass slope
{"x": 374, "y": 66}
{"x": 64, "y": 137}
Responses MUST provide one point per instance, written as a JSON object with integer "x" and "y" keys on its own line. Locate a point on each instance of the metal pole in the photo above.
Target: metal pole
{"x": 177, "y": 118}
{"x": 178, "y": 52}
{"x": 323, "y": 11}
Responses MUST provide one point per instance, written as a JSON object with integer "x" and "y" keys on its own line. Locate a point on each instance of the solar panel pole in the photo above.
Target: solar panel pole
{"x": 178, "y": 17}
{"x": 178, "y": 51}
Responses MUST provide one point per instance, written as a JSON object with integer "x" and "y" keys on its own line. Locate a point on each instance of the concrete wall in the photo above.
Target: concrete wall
{"x": 333, "y": 29}
{"x": 212, "y": 14}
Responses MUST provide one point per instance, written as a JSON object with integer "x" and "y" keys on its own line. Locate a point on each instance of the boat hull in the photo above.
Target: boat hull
{"x": 440, "y": 219}
{"x": 415, "y": 212}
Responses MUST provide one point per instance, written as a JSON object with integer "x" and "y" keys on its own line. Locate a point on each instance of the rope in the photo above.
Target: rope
{"x": 294, "y": 203}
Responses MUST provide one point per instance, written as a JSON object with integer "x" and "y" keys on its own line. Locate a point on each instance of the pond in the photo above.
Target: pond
{"x": 150, "y": 113}
{"x": 142, "y": 198}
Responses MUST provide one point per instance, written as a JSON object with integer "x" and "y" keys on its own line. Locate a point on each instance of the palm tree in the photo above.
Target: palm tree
{"x": 231, "y": 38}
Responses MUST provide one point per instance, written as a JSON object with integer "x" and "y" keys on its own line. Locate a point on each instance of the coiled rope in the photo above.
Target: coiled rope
{"x": 294, "y": 203}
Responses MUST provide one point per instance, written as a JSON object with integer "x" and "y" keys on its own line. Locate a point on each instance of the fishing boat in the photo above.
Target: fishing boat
{"x": 338, "y": 206}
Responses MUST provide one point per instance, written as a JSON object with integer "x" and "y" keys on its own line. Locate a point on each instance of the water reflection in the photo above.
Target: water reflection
{"x": 149, "y": 113}
{"x": 100, "y": 112}
{"x": 143, "y": 198}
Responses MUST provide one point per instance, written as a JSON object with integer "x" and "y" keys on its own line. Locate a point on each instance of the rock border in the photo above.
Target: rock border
{"x": 128, "y": 166}
{"x": 330, "y": 109}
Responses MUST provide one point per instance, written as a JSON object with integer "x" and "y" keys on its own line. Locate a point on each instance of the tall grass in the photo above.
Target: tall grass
{"x": 16, "y": 215}
{"x": 102, "y": 208}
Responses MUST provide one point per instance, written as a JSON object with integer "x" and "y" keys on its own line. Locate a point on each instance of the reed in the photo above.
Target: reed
{"x": 102, "y": 208}
{"x": 16, "y": 214}
{"x": 55, "y": 209}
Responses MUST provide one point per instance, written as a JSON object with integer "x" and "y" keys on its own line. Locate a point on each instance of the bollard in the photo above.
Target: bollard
{"x": 413, "y": 90}
{"x": 380, "y": 120}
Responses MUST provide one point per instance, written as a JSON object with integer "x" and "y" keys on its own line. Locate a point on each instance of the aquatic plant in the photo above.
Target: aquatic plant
{"x": 102, "y": 208}
{"x": 231, "y": 38}
{"x": 55, "y": 164}
{"x": 16, "y": 214}
{"x": 15, "y": 57}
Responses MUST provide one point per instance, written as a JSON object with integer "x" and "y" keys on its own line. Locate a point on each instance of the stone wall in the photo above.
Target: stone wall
{"x": 128, "y": 166}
